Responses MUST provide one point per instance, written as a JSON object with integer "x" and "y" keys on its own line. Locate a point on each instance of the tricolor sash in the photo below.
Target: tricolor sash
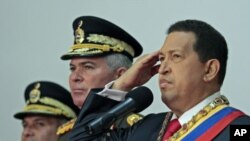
{"x": 208, "y": 126}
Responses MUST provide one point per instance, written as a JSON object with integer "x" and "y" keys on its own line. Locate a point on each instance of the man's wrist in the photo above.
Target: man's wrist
{"x": 117, "y": 85}
{"x": 114, "y": 94}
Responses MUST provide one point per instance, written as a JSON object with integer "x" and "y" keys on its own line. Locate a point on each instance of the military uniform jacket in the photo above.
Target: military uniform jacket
{"x": 122, "y": 123}
{"x": 146, "y": 129}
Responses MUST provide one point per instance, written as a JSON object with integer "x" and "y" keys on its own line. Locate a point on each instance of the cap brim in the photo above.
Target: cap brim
{"x": 21, "y": 115}
{"x": 69, "y": 56}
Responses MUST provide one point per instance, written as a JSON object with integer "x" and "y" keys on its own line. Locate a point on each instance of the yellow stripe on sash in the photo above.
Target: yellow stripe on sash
{"x": 197, "y": 120}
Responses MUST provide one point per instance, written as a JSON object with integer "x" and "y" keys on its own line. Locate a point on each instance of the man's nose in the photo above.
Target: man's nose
{"x": 77, "y": 75}
{"x": 28, "y": 131}
{"x": 164, "y": 67}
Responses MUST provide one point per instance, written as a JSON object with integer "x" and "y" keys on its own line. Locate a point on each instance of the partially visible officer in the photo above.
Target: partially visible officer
{"x": 48, "y": 105}
{"x": 101, "y": 53}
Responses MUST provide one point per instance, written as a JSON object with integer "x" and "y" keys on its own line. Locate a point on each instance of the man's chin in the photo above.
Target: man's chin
{"x": 78, "y": 104}
{"x": 167, "y": 97}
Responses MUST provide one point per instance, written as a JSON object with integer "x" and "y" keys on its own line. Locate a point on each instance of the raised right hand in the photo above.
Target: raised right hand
{"x": 141, "y": 71}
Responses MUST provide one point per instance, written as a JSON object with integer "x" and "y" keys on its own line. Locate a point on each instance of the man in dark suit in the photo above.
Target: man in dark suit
{"x": 102, "y": 52}
{"x": 192, "y": 68}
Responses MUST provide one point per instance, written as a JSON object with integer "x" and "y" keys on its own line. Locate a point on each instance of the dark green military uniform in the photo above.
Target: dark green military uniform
{"x": 98, "y": 37}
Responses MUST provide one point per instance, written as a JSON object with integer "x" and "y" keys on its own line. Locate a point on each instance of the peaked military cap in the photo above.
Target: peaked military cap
{"x": 96, "y": 37}
{"x": 48, "y": 98}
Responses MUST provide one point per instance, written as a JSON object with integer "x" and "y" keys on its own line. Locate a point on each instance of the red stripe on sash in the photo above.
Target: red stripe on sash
{"x": 219, "y": 126}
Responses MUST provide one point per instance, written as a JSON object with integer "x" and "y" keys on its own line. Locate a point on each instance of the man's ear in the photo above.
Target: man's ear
{"x": 212, "y": 68}
{"x": 120, "y": 71}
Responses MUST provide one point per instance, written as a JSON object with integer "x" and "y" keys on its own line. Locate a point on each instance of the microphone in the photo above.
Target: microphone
{"x": 135, "y": 101}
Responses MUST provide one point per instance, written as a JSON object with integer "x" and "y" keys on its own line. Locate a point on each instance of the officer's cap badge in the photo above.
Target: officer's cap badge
{"x": 35, "y": 93}
{"x": 79, "y": 33}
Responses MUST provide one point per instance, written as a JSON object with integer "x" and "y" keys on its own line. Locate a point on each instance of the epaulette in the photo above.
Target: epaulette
{"x": 133, "y": 118}
{"x": 66, "y": 127}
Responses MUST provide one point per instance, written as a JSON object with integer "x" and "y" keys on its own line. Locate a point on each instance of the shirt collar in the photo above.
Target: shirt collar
{"x": 185, "y": 117}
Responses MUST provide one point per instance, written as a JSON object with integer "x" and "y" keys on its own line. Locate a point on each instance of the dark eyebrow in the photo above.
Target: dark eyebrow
{"x": 160, "y": 53}
{"x": 171, "y": 51}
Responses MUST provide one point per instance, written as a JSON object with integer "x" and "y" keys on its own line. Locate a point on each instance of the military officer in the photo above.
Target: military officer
{"x": 48, "y": 105}
{"x": 101, "y": 53}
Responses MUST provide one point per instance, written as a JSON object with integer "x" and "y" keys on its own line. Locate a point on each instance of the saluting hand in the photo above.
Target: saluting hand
{"x": 141, "y": 71}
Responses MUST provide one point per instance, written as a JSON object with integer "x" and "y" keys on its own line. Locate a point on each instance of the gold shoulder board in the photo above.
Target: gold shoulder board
{"x": 66, "y": 127}
{"x": 133, "y": 118}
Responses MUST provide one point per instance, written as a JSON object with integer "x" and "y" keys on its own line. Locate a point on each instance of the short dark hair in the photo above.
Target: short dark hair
{"x": 210, "y": 44}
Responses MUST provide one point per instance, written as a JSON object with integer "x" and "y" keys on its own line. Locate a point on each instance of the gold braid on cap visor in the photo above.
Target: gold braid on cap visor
{"x": 58, "y": 107}
{"x": 109, "y": 43}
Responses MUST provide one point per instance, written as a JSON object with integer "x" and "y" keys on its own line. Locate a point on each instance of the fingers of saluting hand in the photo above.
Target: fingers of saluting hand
{"x": 148, "y": 59}
{"x": 141, "y": 71}
{"x": 148, "y": 63}
{"x": 155, "y": 69}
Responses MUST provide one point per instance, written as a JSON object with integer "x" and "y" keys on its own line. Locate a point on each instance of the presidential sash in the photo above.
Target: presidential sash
{"x": 208, "y": 123}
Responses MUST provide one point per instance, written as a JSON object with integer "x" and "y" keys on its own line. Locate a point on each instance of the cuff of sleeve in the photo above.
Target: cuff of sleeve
{"x": 111, "y": 93}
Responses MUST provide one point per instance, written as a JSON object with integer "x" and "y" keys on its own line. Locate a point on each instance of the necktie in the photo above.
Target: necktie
{"x": 172, "y": 127}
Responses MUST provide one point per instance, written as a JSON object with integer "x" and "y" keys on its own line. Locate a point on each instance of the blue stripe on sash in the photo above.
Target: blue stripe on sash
{"x": 204, "y": 126}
